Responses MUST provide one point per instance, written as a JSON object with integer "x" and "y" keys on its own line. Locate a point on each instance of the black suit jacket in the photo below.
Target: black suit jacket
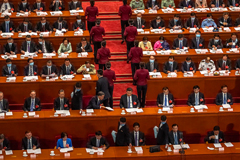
{"x": 219, "y": 44}
{"x": 26, "y": 70}
{"x": 57, "y": 104}
{"x": 160, "y": 99}
{"x": 92, "y": 142}
{"x": 237, "y": 64}
{"x": 93, "y": 104}
{"x": 63, "y": 70}
{"x": 155, "y": 26}
{"x": 5, "y": 71}
{"x": 40, "y": 28}
{"x": 162, "y": 136}
{"x": 6, "y": 144}
{"x": 25, "y": 8}
{"x": 27, "y": 104}
{"x": 171, "y": 137}
{"x": 64, "y": 25}
{"x": 29, "y": 27}
{"x": 194, "y": 43}
{"x": 25, "y": 143}
{"x": 11, "y": 27}
{"x": 237, "y": 22}
{"x": 156, "y": 3}
{"x": 176, "y": 43}
{"x": 81, "y": 25}
{"x": 155, "y": 66}
{"x": 88, "y": 47}
{"x": 230, "y": 46}
{"x": 191, "y": 99}
{"x": 219, "y": 99}
{"x": 183, "y": 4}
{"x": 191, "y": 66}
{"x": 7, "y": 49}
{"x": 52, "y": 7}
{"x": 53, "y": 70}
{"x": 48, "y": 47}
{"x": 41, "y": 6}
{"x": 221, "y": 20}
{"x": 141, "y": 139}
{"x": 103, "y": 85}
{"x": 123, "y": 136}
{"x": 229, "y": 2}
{"x": 124, "y": 103}
{"x": 5, "y": 105}
{"x": 33, "y": 47}
{"x": 228, "y": 63}
{"x": 77, "y": 100}
{"x": 71, "y": 5}
{"x": 171, "y": 23}
{"x": 167, "y": 67}
{"x": 220, "y": 137}
{"x": 143, "y": 23}
{"x": 214, "y": 2}
{"x": 195, "y": 22}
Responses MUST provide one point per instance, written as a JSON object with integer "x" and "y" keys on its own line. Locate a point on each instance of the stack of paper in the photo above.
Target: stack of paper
{"x": 28, "y": 78}
{"x": 56, "y": 13}
{"x": 109, "y": 109}
{"x": 201, "y": 9}
{"x": 138, "y": 110}
{"x": 216, "y": 51}
{"x": 26, "y": 54}
{"x": 140, "y": 30}
{"x": 164, "y": 52}
{"x": 166, "y": 108}
{"x": 158, "y": 30}
{"x": 49, "y": 54}
{"x": 224, "y": 71}
{"x": 201, "y": 107}
{"x": 138, "y": 149}
{"x": 64, "y": 150}
{"x": 139, "y": 11}
{"x": 6, "y": 57}
{"x": 226, "y": 105}
{"x": 217, "y": 145}
{"x": 89, "y": 110}
{"x": 28, "y": 33}
{"x": 31, "y": 114}
{"x": 172, "y": 74}
{"x": 84, "y": 54}
{"x": 80, "y": 31}
{"x": 233, "y": 49}
{"x": 41, "y": 13}
{"x": 94, "y": 150}
{"x": 155, "y": 74}
{"x": 185, "y": 146}
{"x": 22, "y": 14}
{"x": 44, "y": 33}
{"x": 8, "y": 152}
{"x": 177, "y": 146}
{"x": 237, "y": 28}
{"x": 66, "y": 112}
{"x": 228, "y": 144}
{"x": 148, "y": 52}
{"x": 75, "y": 11}
{"x": 6, "y": 34}
{"x": 36, "y": 151}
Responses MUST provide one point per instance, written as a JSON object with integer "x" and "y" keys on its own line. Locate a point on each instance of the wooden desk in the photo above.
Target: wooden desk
{"x": 40, "y": 61}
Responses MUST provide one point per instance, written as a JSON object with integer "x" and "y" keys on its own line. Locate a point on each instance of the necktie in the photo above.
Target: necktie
{"x": 171, "y": 65}
{"x": 180, "y": 45}
{"x": 61, "y": 104}
{"x": 74, "y": 5}
{"x": 6, "y": 6}
{"x": 197, "y": 43}
{"x": 136, "y": 139}
{"x": 28, "y": 47}
{"x": 98, "y": 103}
{"x": 97, "y": 142}
{"x": 196, "y": 99}
{"x": 49, "y": 71}
{"x": 7, "y": 27}
{"x": 1, "y": 105}
{"x": 224, "y": 65}
{"x": 31, "y": 71}
{"x": 68, "y": 71}
{"x": 57, "y": 9}
{"x": 192, "y": 23}
{"x": 60, "y": 26}
{"x": 44, "y": 48}
{"x": 128, "y": 102}
{"x": 25, "y": 28}
{"x": 29, "y": 144}
{"x": 151, "y": 67}
{"x": 32, "y": 105}
{"x": 9, "y": 70}
{"x": 175, "y": 138}
{"x": 215, "y": 140}
{"x": 139, "y": 24}
{"x": 233, "y": 2}
{"x": 165, "y": 101}
{"x": 10, "y": 46}
{"x": 187, "y": 3}
{"x": 217, "y": 3}
{"x": 38, "y": 6}
{"x": 43, "y": 28}
{"x": 224, "y": 98}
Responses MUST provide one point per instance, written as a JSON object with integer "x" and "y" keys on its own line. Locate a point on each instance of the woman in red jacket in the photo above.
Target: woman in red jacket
{"x": 102, "y": 55}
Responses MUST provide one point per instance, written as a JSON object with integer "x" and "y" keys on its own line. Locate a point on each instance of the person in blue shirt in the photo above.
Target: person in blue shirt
{"x": 64, "y": 142}
{"x": 208, "y": 22}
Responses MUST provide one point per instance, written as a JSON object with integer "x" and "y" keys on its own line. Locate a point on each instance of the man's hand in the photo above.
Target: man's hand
{"x": 95, "y": 148}
{"x": 159, "y": 105}
{"x": 103, "y": 107}
{"x": 168, "y": 72}
{"x": 193, "y": 71}
{"x": 212, "y": 137}
{"x": 223, "y": 5}
{"x": 177, "y": 48}
{"x": 34, "y": 147}
{"x": 83, "y": 50}
{"x": 8, "y": 54}
{"x": 230, "y": 43}
{"x": 219, "y": 69}
{"x": 154, "y": 71}
{"x": 104, "y": 148}
{"x": 39, "y": 51}
{"x": 175, "y": 71}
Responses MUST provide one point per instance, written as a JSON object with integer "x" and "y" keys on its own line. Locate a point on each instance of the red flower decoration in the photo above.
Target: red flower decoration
{"x": 170, "y": 101}
{"x": 236, "y": 4}
{"x": 134, "y": 103}
{"x": 182, "y": 47}
{"x": 35, "y": 73}
{"x": 191, "y": 68}
{"x": 180, "y": 140}
{"x": 236, "y": 46}
{"x": 26, "y": 10}
{"x": 189, "y": 6}
{"x": 226, "y": 67}
{"x": 4, "y": 147}
{"x": 59, "y": 8}
{"x": 37, "y": 106}
{"x": 12, "y": 72}
{"x": 160, "y": 46}
{"x": 12, "y": 9}
{"x": 208, "y": 69}
{"x": 228, "y": 100}
{"x": 143, "y": 26}
{"x": 159, "y": 27}
{"x": 65, "y": 105}
{"x": 200, "y": 45}
{"x": 10, "y": 29}
{"x": 78, "y": 28}
{"x": 201, "y": 100}
{"x": 71, "y": 72}
{"x": 169, "y": 6}
{"x": 220, "y": 140}
{"x": 67, "y": 145}
{"x": 195, "y": 26}
{"x": 140, "y": 140}
{"x": 209, "y": 26}
{"x": 41, "y": 8}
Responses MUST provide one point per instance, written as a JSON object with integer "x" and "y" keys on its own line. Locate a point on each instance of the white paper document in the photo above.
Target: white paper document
{"x": 138, "y": 149}
{"x": 155, "y": 73}
{"x": 6, "y": 57}
{"x": 226, "y": 105}
{"x": 64, "y": 150}
{"x": 49, "y": 54}
{"x": 140, "y": 30}
{"x": 94, "y": 150}
{"x": 42, "y": 13}
{"x": 148, "y": 52}
{"x": 185, "y": 146}
{"x": 129, "y": 110}
{"x": 9, "y": 113}
{"x": 217, "y": 145}
{"x": 7, "y": 34}
{"x": 67, "y": 77}
{"x": 216, "y": 51}
{"x": 109, "y": 109}
{"x": 204, "y": 72}
{"x": 228, "y": 144}
{"x": 237, "y": 28}
{"x": 210, "y": 148}
{"x": 166, "y": 109}
{"x": 28, "y": 78}
{"x": 0, "y": 151}
{"x": 63, "y": 112}
{"x": 8, "y": 152}
{"x": 75, "y": 11}
{"x": 177, "y": 146}
{"x": 55, "y": 12}
{"x": 31, "y": 114}
{"x": 200, "y": 107}
{"x": 89, "y": 110}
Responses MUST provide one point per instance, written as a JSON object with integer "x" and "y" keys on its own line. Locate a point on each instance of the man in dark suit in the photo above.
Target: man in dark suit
{"x": 9, "y": 69}
{"x": 196, "y": 98}
{"x": 217, "y": 3}
{"x": 215, "y": 136}
{"x": 32, "y": 103}
{"x": 57, "y": 5}
{"x": 237, "y": 66}
{"x": 170, "y": 66}
{"x": 49, "y": 69}
{"x": 24, "y": 6}
{"x": 123, "y": 135}
{"x": 129, "y": 100}
{"x": 224, "y": 63}
{"x": 83, "y": 46}
{"x": 102, "y": 84}
{"x": 28, "y": 46}
{"x": 215, "y": 42}
{"x": 165, "y": 98}
{"x": 225, "y": 20}
{"x": 152, "y": 65}
{"x": 158, "y": 23}
{"x": 139, "y": 22}
{"x": 175, "y": 23}
{"x": 44, "y": 46}
{"x": 60, "y": 24}
{"x": 61, "y": 103}
{"x": 197, "y": 41}
{"x": 192, "y": 21}
{"x": 4, "y": 106}
{"x": 186, "y": 4}
{"x": 175, "y": 136}
{"x": 137, "y": 137}
{"x": 153, "y": 4}
{"x": 38, "y": 6}
{"x": 98, "y": 102}
{"x": 233, "y": 3}
{"x": 30, "y": 69}
{"x": 237, "y": 22}
{"x": 162, "y": 136}
{"x": 43, "y": 26}
{"x": 188, "y": 65}
{"x": 26, "y": 26}
{"x": 180, "y": 42}
{"x": 79, "y": 24}
{"x": 67, "y": 68}
{"x": 98, "y": 141}
{"x": 224, "y": 97}
{"x": 10, "y": 48}
{"x": 75, "y": 5}
{"x": 233, "y": 42}
{"x": 7, "y": 25}
{"x": 4, "y": 143}
{"x": 29, "y": 142}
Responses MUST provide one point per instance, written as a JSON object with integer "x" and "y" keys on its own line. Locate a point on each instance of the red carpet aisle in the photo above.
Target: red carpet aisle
{"x": 105, "y": 6}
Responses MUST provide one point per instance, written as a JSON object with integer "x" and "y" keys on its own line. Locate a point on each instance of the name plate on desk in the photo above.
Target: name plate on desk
{"x": 230, "y": 109}
{"x": 176, "y": 151}
{"x": 221, "y": 149}
{"x": 200, "y": 110}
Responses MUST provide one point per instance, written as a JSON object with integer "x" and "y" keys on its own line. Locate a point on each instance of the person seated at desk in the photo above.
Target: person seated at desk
{"x": 43, "y": 26}
{"x": 60, "y": 24}
{"x": 215, "y": 136}
{"x": 197, "y": 42}
{"x": 64, "y": 141}
{"x": 163, "y": 131}
{"x": 83, "y": 46}
{"x": 170, "y": 65}
{"x": 167, "y": 3}
{"x": 153, "y": 4}
{"x": 44, "y": 46}
{"x": 237, "y": 66}
{"x": 217, "y": 3}
{"x": 32, "y": 103}
{"x": 67, "y": 68}
{"x": 61, "y": 102}
{"x": 75, "y": 5}
{"x": 49, "y": 70}
{"x": 4, "y": 105}
{"x": 129, "y": 100}
{"x": 145, "y": 44}
{"x": 188, "y": 65}
{"x": 65, "y": 47}
{"x": 103, "y": 55}
{"x": 24, "y": 6}
{"x": 224, "y": 97}
{"x": 26, "y": 26}
{"x": 123, "y": 135}
{"x": 208, "y": 22}
{"x": 139, "y": 22}
{"x": 6, "y": 6}
{"x": 215, "y": 42}
{"x": 98, "y": 141}
{"x": 137, "y": 4}
{"x": 158, "y": 23}
{"x": 28, "y": 46}
{"x": 10, "y": 48}
{"x": 30, "y": 69}
{"x": 77, "y": 97}
{"x": 225, "y": 20}
{"x": 137, "y": 137}
{"x": 4, "y": 143}
{"x": 180, "y": 42}
{"x": 9, "y": 69}
{"x": 87, "y": 68}
{"x": 196, "y": 98}
{"x": 79, "y": 24}
{"x": 165, "y": 98}
{"x": 7, "y": 26}
{"x": 192, "y": 21}
{"x": 57, "y": 5}
{"x": 175, "y": 23}
{"x": 201, "y": 4}
{"x": 152, "y": 65}
{"x": 175, "y": 136}
{"x": 233, "y": 42}
{"x": 161, "y": 44}
{"x": 186, "y": 4}
{"x": 38, "y": 6}
{"x": 29, "y": 142}
{"x": 224, "y": 63}
{"x": 98, "y": 102}
{"x": 207, "y": 65}
{"x": 233, "y": 3}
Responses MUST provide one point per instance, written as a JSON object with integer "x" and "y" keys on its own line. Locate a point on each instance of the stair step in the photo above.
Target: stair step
{"x": 109, "y": 17}
{"x": 124, "y": 75}
{"x": 118, "y": 53}
{"x": 109, "y": 13}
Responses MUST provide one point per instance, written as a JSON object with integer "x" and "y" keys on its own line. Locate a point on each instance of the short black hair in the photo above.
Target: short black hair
{"x": 233, "y": 34}
{"x": 10, "y": 38}
{"x": 2, "y": 136}
{"x": 63, "y": 134}
{"x": 145, "y": 38}
{"x": 216, "y": 35}
{"x": 225, "y": 13}
{"x": 100, "y": 72}
{"x": 28, "y": 36}
{"x": 8, "y": 60}
{"x": 83, "y": 39}
{"x": 196, "y": 87}
{"x": 103, "y": 43}
{"x": 174, "y": 125}
{"x": 65, "y": 39}
{"x": 163, "y": 118}
{"x": 123, "y": 119}
{"x": 92, "y": 2}
{"x": 98, "y": 21}
{"x": 171, "y": 57}
{"x": 142, "y": 65}
{"x": 136, "y": 124}
{"x": 108, "y": 65}
{"x": 60, "y": 19}
{"x": 78, "y": 84}
{"x": 209, "y": 15}
{"x": 216, "y": 128}
{"x": 26, "y": 20}
{"x": 29, "y": 59}
{"x": 78, "y": 17}
{"x": 188, "y": 58}
{"x": 129, "y": 89}
{"x": 87, "y": 62}
{"x": 100, "y": 93}
{"x": 130, "y": 21}
{"x": 225, "y": 55}
{"x": 6, "y": 17}
{"x": 136, "y": 42}
{"x": 193, "y": 14}
{"x": 67, "y": 59}
{"x": 41, "y": 38}
{"x": 124, "y": 2}
{"x": 98, "y": 133}
{"x": 180, "y": 36}
{"x": 198, "y": 31}
{"x": 161, "y": 38}
{"x": 223, "y": 86}
{"x": 164, "y": 88}
{"x": 176, "y": 15}
{"x": 61, "y": 90}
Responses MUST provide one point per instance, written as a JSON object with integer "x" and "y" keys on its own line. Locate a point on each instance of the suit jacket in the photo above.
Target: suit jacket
{"x": 123, "y": 136}
{"x": 237, "y": 22}
{"x": 194, "y": 43}
{"x": 52, "y": 7}
{"x": 26, "y": 70}
{"x": 41, "y": 6}
{"x": 7, "y": 49}
{"x": 160, "y": 99}
{"x": 237, "y": 64}
{"x": 6, "y": 144}
{"x": 64, "y": 25}
{"x": 57, "y": 104}
{"x": 92, "y": 142}
{"x": 156, "y": 3}
{"x": 103, "y": 85}
{"x": 191, "y": 99}
{"x": 219, "y": 44}
{"x": 5, "y": 105}
{"x": 88, "y": 47}
{"x": 219, "y": 99}
{"x": 167, "y": 67}
{"x": 25, "y": 143}
{"x": 33, "y": 47}
{"x": 63, "y": 70}
{"x": 93, "y": 104}
{"x": 40, "y": 28}
{"x": 142, "y": 25}
{"x": 237, "y": 44}
{"x": 154, "y": 24}
{"x": 171, "y": 137}
{"x": 29, "y": 27}
{"x": 60, "y": 143}
{"x": 71, "y": 5}
{"x": 27, "y": 104}
{"x": 176, "y": 43}
{"x": 11, "y": 27}
{"x": 195, "y": 22}
{"x": 230, "y": 3}
{"x": 25, "y": 8}
{"x": 214, "y": 2}
{"x": 155, "y": 66}
{"x": 48, "y": 46}
{"x": 220, "y": 137}
{"x": 81, "y": 25}
{"x": 183, "y": 4}
{"x": 171, "y": 23}
{"x": 221, "y": 20}
{"x": 228, "y": 63}
{"x": 124, "y": 102}
{"x": 162, "y": 136}
{"x": 77, "y": 100}
{"x": 5, "y": 71}
{"x": 141, "y": 139}
{"x": 53, "y": 70}
{"x": 191, "y": 66}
